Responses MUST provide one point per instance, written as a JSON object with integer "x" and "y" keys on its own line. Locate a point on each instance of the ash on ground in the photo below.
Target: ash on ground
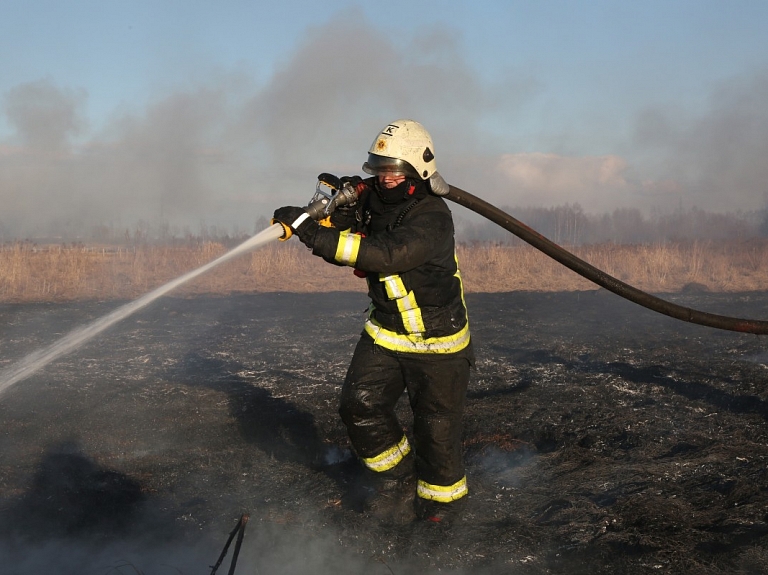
{"x": 600, "y": 438}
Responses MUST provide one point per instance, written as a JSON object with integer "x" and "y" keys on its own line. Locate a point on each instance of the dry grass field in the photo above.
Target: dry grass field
{"x": 32, "y": 273}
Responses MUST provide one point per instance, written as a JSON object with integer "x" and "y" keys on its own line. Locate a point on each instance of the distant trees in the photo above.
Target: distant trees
{"x": 567, "y": 224}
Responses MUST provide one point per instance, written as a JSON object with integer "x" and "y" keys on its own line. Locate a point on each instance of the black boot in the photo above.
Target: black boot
{"x": 440, "y": 513}
{"x": 393, "y": 493}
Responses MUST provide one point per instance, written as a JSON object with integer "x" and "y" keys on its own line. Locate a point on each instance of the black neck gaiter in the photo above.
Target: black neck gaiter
{"x": 408, "y": 188}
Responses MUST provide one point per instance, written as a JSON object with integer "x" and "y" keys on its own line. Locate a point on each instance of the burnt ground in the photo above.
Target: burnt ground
{"x": 600, "y": 438}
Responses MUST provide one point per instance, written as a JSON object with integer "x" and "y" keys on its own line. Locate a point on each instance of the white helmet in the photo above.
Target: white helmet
{"x": 405, "y": 147}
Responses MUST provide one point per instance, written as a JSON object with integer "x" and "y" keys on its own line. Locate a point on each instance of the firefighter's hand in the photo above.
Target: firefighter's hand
{"x": 291, "y": 217}
{"x": 345, "y": 217}
{"x": 297, "y": 221}
{"x": 356, "y": 182}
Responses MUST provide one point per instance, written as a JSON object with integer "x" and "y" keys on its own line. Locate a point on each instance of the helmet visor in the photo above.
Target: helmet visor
{"x": 382, "y": 166}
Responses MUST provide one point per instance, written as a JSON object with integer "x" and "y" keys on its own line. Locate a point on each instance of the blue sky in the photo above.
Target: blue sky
{"x": 188, "y": 111}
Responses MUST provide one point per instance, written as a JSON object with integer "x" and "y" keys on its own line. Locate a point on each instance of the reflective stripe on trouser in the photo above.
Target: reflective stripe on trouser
{"x": 442, "y": 493}
{"x": 437, "y": 386}
{"x": 389, "y": 458}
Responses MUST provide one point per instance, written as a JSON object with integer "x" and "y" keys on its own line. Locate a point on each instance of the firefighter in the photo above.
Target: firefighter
{"x": 399, "y": 235}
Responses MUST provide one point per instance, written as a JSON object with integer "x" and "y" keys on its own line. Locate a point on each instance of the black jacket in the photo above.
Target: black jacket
{"x": 406, "y": 248}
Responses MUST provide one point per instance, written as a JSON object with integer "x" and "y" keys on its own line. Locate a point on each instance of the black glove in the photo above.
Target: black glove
{"x": 356, "y": 182}
{"x": 346, "y": 217}
{"x": 291, "y": 217}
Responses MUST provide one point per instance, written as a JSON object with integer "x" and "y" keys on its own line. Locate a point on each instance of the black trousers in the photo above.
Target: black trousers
{"x": 437, "y": 387}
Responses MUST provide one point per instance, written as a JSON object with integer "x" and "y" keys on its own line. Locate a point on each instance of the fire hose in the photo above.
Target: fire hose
{"x": 323, "y": 203}
{"x": 598, "y": 276}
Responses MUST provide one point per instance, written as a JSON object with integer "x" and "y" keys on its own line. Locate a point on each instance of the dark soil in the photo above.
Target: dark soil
{"x": 600, "y": 438}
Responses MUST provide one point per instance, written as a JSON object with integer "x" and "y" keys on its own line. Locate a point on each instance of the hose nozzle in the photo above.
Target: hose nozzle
{"x": 325, "y": 206}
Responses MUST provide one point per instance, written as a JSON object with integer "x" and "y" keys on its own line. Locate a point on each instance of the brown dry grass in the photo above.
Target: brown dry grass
{"x": 660, "y": 268}
{"x": 30, "y": 273}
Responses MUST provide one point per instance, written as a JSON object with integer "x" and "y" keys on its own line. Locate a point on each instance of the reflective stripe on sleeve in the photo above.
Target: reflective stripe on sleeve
{"x": 443, "y": 494}
{"x": 299, "y": 220}
{"x": 389, "y": 458}
{"x": 346, "y": 250}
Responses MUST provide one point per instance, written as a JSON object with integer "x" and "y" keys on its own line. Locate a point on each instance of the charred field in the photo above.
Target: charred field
{"x": 600, "y": 438}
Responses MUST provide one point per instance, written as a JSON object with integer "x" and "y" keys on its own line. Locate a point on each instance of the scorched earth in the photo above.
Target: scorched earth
{"x": 600, "y": 438}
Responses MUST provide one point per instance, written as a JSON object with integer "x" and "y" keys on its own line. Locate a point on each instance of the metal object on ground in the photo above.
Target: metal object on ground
{"x": 239, "y": 530}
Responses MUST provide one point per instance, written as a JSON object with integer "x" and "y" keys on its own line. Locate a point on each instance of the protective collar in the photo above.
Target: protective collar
{"x": 408, "y": 189}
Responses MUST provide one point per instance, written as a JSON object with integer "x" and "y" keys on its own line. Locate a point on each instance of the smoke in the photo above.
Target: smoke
{"x": 45, "y": 117}
{"x": 543, "y": 177}
{"x": 714, "y": 160}
{"x": 224, "y": 151}
{"x": 148, "y": 167}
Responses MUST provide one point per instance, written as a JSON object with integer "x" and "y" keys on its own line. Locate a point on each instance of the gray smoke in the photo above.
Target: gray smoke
{"x": 714, "y": 160}
{"x": 225, "y": 151}
{"x": 45, "y": 117}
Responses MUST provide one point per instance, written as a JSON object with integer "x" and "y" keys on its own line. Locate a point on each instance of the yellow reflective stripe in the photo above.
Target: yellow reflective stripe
{"x": 394, "y": 286}
{"x": 457, "y": 275}
{"x": 415, "y": 343}
{"x": 443, "y": 494}
{"x": 346, "y": 251}
{"x": 411, "y": 314}
{"x": 406, "y": 303}
{"x": 389, "y": 458}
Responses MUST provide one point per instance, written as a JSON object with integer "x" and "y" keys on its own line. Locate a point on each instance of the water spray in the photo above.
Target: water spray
{"x": 39, "y": 359}
{"x": 320, "y": 207}
{"x": 330, "y": 193}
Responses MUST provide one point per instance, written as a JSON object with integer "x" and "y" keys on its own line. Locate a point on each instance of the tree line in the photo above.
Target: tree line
{"x": 566, "y": 224}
